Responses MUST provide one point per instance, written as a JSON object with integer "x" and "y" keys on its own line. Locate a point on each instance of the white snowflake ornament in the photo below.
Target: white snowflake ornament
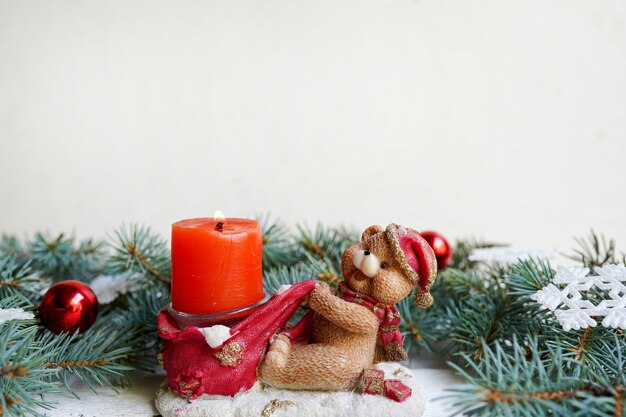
{"x": 573, "y": 311}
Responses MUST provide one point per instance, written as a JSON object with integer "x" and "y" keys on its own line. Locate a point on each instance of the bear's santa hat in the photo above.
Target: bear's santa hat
{"x": 417, "y": 260}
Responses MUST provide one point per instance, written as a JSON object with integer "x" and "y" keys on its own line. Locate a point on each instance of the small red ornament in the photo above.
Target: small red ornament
{"x": 68, "y": 306}
{"x": 440, "y": 246}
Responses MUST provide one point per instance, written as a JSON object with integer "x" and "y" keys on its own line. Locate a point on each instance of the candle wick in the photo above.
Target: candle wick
{"x": 219, "y": 226}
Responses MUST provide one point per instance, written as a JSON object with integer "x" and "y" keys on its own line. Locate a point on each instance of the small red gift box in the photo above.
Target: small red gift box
{"x": 396, "y": 390}
{"x": 372, "y": 381}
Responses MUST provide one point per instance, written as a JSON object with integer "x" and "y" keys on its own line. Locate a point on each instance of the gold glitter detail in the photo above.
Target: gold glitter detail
{"x": 422, "y": 298}
{"x": 274, "y": 405}
{"x": 187, "y": 388}
{"x": 392, "y": 237}
{"x": 402, "y": 393}
{"x": 375, "y": 378}
{"x": 402, "y": 373}
{"x": 160, "y": 354}
{"x": 391, "y": 328}
{"x": 376, "y": 387}
{"x": 231, "y": 354}
{"x": 395, "y": 352}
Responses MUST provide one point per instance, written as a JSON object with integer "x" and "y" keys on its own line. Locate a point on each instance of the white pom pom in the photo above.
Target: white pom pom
{"x": 216, "y": 335}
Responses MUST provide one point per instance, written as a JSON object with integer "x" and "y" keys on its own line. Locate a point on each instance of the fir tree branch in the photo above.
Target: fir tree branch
{"x": 529, "y": 276}
{"x": 594, "y": 251}
{"x": 323, "y": 243}
{"x": 52, "y": 256}
{"x": 580, "y": 349}
{"x": 138, "y": 249}
{"x": 18, "y": 280}
{"x": 134, "y": 320}
{"x": 12, "y": 247}
{"x": 276, "y": 277}
{"x": 24, "y": 378}
{"x": 92, "y": 357}
{"x": 278, "y": 245}
{"x": 517, "y": 383}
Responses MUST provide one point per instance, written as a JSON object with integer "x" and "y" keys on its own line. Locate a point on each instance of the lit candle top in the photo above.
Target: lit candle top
{"x": 216, "y": 265}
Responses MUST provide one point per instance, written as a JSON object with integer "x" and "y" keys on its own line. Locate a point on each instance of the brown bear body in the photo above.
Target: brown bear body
{"x": 344, "y": 339}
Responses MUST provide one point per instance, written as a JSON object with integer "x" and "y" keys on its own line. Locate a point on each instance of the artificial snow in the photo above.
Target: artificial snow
{"x": 300, "y": 403}
{"x": 508, "y": 254}
{"x": 215, "y": 335}
{"x": 7, "y": 314}
{"x": 108, "y": 287}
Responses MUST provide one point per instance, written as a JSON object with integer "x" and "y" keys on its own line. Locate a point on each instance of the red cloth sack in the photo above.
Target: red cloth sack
{"x": 194, "y": 368}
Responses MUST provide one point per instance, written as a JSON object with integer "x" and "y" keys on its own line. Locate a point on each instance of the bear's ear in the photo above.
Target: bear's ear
{"x": 370, "y": 231}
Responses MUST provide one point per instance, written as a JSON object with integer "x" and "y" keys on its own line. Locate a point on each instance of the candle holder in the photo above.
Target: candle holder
{"x": 225, "y": 318}
{"x": 259, "y": 365}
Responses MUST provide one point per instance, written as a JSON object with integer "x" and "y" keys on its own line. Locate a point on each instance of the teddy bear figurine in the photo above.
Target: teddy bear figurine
{"x": 351, "y": 329}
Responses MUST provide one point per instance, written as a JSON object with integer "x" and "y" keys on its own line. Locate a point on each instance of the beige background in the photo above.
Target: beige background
{"x": 492, "y": 118}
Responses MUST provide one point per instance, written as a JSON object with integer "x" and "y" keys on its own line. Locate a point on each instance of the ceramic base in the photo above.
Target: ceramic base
{"x": 302, "y": 403}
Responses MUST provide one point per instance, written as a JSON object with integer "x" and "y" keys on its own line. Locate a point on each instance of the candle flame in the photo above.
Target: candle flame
{"x": 218, "y": 215}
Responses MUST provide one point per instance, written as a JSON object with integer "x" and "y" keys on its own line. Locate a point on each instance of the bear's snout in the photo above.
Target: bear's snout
{"x": 366, "y": 262}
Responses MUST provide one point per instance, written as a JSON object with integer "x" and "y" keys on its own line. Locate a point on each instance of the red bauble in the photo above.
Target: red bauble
{"x": 68, "y": 306}
{"x": 440, "y": 246}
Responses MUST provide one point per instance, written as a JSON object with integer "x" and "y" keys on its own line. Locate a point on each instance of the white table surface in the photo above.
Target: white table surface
{"x": 138, "y": 401}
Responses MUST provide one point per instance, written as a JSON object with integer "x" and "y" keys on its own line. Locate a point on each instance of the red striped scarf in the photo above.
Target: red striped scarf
{"x": 389, "y": 322}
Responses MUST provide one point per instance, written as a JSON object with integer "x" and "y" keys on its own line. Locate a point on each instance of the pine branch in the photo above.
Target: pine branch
{"x": 594, "y": 251}
{"x": 464, "y": 283}
{"x": 420, "y": 327}
{"x": 88, "y": 260}
{"x": 92, "y": 357}
{"x": 348, "y": 235}
{"x": 324, "y": 269}
{"x": 11, "y": 246}
{"x": 323, "y": 243}
{"x": 286, "y": 275}
{"x": 134, "y": 320}
{"x": 278, "y": 244}
{"x": 18, "y": 280}
{"x": 52, "y": 256}
{"x": 138, "y": 249}
{"x": 517, "y": 382}
{"x": 24, "y": 378}
{"x": 529, "y": 276}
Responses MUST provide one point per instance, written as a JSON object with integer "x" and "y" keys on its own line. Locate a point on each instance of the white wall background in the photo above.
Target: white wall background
{"x": 492, "y": 118}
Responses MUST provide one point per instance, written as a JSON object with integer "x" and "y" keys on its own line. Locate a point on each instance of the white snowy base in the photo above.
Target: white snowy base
{"x": 305, "y": 403}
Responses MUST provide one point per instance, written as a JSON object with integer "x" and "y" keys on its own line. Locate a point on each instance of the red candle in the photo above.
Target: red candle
{"x": 216, "y": 265}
